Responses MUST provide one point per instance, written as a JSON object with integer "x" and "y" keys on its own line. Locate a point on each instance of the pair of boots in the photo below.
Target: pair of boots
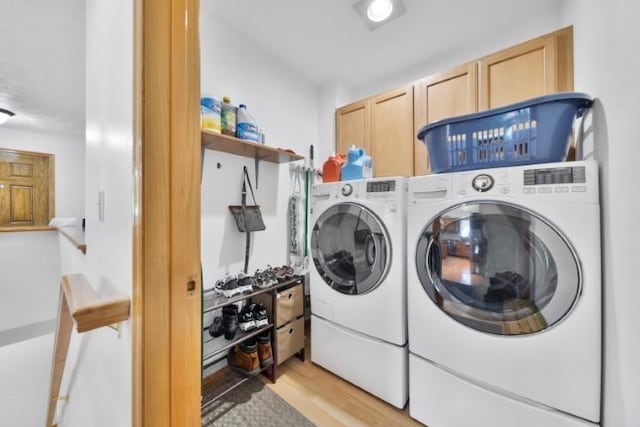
{"x": 251, "y": 356}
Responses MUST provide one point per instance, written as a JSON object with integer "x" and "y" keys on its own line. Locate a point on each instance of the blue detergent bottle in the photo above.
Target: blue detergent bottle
{"x": 354, "y": 166}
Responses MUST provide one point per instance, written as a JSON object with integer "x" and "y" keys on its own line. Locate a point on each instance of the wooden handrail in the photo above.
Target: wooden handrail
{"x": 79, "y": 305}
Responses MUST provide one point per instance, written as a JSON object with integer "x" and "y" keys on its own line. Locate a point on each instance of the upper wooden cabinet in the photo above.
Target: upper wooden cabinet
{"x": 381, "y": 124}
{"x": 442, "y": 95}
{"x": 352, "y": 126}
{"x": 392, "y": 132}
{"x": 534, "y": 68}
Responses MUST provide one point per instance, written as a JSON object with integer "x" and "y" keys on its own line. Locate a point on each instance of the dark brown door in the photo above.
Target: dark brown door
{"x": 26, "y": 188}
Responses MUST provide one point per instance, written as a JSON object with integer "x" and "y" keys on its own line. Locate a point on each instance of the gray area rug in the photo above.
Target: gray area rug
{"x": 252, "y": 404}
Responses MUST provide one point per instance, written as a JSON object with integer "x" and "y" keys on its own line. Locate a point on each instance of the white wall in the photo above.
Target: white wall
{"x": 25, "y": 369}
{"x": 69, "y": 165}
{"x": 29, "y": 293}
{"x": 100, "y": 383}
{"x": 285, "y": 105}
{"x": 29, "y": 284}
{"x": 606, "y": 37}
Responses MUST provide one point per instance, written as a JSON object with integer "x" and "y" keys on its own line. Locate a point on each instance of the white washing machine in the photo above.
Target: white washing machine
{"x": 358, "y": 284}
{"x": 504, "y": 297}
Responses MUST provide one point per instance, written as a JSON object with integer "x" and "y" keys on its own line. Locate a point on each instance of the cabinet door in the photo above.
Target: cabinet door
{"x": 537, "y": 67}
{"x": 440, "y": 96}
{"x": 352, "y": 126}
{"x": 392, "y": 132}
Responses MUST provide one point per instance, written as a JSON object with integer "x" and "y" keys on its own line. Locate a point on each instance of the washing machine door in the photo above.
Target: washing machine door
{"x": 498, "y": 268}
{"x": 350, "y": 248}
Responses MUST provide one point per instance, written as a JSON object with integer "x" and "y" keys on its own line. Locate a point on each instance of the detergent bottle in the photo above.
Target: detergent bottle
{"x": 247, "y": 127}
{"x": 228, "y": 117}
{"x": 353, "y": 167}
{"x": 332, "y": 167}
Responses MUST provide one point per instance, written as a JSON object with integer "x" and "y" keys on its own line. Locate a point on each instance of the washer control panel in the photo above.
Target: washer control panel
{"x": 381, "y": 186}
{"x": 558, "y": 175}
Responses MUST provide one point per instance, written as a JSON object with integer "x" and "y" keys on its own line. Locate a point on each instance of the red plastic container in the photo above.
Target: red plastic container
{"x": 332, "y": 167}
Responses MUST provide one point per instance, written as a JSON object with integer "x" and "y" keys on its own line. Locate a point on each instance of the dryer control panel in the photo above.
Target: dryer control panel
{"x": 576, "y": 181}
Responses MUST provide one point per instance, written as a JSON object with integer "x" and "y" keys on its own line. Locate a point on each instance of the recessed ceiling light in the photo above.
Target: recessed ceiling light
{"x": 379, "y": 10}
{"x": 5, "y": 115}
{"x": 376, "y": 13}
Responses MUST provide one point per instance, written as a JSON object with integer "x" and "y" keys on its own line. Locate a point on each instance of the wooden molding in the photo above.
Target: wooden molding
{"x": 15, "y": 228}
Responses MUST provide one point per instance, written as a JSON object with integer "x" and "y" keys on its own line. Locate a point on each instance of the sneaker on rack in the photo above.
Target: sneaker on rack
{"x": 244, "y": 357}
{"x": 272, "y": 279}
{"x": 245, "y": 319}
{"x": 228, "y": 286}
{"x": 258, "y": 278}
{"x": 260, "y": 315}
{"x": 245, "y": 283}
{"x": 265, "y": 354}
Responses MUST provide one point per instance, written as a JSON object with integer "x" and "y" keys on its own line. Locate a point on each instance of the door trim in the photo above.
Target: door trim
{"x": 166, "y": 311}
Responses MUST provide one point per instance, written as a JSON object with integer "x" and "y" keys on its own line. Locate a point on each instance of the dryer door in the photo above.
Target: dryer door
{"x": 498, "y": 268}
{"x": 350, "y": 248}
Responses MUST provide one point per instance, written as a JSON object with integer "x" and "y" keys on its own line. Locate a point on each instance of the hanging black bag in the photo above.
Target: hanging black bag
{"x": 248, "y": 217}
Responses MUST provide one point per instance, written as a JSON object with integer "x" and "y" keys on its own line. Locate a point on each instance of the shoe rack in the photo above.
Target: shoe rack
{"x": 215, "y": 350}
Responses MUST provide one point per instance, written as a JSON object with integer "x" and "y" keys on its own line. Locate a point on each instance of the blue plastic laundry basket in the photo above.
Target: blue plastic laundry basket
{"x": 532, "y": 131}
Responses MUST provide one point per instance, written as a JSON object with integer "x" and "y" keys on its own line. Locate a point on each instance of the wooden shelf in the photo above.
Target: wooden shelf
{"x": 228, "y": 144}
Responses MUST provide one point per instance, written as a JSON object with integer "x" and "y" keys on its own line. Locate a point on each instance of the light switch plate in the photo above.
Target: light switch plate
{"x": 101, "y": 206}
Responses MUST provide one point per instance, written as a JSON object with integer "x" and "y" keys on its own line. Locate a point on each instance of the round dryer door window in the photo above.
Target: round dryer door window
{"x": 350, "y": 248}
{"x": 498, "y": 268}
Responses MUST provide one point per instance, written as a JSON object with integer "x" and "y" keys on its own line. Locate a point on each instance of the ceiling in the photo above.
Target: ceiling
{"x": 326, "y": 41}
{"x": 42, "y": 65}
{"x": 42, "y": 53}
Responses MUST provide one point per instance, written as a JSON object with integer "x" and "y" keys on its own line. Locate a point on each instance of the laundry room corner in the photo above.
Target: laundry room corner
{"x": 285, "y": 107}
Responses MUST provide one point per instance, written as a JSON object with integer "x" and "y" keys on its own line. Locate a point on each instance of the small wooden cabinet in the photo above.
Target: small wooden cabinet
{"x": 383, "y": 126}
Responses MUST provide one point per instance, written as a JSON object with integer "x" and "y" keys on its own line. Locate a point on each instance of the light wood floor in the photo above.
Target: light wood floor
{"x": 328, "y": 400}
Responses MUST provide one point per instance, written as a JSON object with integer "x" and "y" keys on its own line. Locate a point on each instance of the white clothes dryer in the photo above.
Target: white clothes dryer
{"x": 358, "y": 284}
{"x": 504, "y": 297}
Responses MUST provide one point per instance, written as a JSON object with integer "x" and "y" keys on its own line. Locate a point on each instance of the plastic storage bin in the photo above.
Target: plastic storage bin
{"x": 532, "y": 131}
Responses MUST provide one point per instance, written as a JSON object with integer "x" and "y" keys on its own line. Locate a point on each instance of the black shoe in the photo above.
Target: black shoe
{"x": 216, "y": 329}
{"x": 259, "y": 315}
{"x": 230, "y": 321}
{"x": 245, "y": 319}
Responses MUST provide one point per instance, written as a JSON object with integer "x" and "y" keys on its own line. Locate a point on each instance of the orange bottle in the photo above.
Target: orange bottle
{"x": 332, "y": 167}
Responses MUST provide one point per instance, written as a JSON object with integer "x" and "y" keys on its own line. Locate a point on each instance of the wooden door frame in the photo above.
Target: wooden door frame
{"x": 166, "y": 310}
